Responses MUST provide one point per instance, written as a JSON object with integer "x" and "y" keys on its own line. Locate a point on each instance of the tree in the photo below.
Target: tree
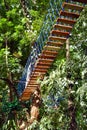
{"x": 18, "y": 32}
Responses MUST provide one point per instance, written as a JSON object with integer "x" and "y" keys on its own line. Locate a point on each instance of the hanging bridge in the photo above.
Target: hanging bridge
{"x": 57, "y": 26}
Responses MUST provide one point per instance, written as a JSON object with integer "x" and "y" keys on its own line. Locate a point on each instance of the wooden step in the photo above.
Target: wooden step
{"x": 23, "y": 98}
{"x": 82, "y": 1}
{"x": 63, "y": 27}
{"x": 45, "y": 60}
{"x": 72, "y": 6}
{"x": 43, "y": 63}
{"x": 49, "y": 52}
{"x": 51, "y": 48}
{"x": 32, "y": 80}
{"x": 41, "y": 70}
{"x": 29, "y": 89}
{"x": 69, "y": 14}
{"x": 29, "y": 92}
{"x": 42, "y": 67}
{"x": 34, "y": 85}
{"x": 47, "y": 56}
{"x": 54, "y": 43}
{"x": 60, "y": 33}
{"x": 34, "y": 77}
{"x": 54, "y": 38}
{"x": 37, "y": 73}
{"x": 66, "y": 21}
{"x": 27, "y": 95}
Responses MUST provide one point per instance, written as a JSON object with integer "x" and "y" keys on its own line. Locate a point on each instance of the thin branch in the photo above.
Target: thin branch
{"x": 6, "y": 5}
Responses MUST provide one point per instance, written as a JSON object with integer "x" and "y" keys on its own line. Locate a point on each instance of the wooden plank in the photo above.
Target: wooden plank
{"x": 49, "y": 52}
{"x": 45, "y": 60}
{"x": 41, "y": 70}
{"x": 31, "y": 80}
{"x": 60, "y": 33}
{"x": 63, "y": 27}
{"x": 43, "y": 63}
{"x": 66, "y": 21}
{"x": 39, "y": 77}
{"x": 42, "y": 67}
{"x": 30, "y": 89}
{"x": 47, "y": 56}
{"x": 37, "y": 73}
{"x": 27, "y": 94}
{"x": 57, "y": 38}
{"x": 23, "y": 98}
{"x": 69, "y": 14}
{"x": 51, "y": 48}
{"x": 34, "y": 78}
{"x": 54, "y": 43}
{"x": 33, "y": 83}
{"x": 32, "y": 86}
{"x": 72, "y": 6}
{"x": 82, "y": 1}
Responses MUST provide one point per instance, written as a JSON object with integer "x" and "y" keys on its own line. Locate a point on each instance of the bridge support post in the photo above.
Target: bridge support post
{"x": 36, "y": 101}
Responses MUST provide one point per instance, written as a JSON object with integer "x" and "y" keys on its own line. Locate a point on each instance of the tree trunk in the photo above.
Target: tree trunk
{"x": 25, "y": 12}
{"x": 23, "y": 5}
{"x": 72, "y": 115}
{"x": 71, "y": 105}
{"x": 6, "y": 5}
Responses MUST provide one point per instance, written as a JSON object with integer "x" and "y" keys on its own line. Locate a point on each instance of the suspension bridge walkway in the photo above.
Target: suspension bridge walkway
{"x": 57, "y": 26}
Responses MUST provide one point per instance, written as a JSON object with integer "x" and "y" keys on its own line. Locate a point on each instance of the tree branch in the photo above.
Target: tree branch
{"x": 11, "y": 85}
{"x": 25, "y": 12}
{"x": 6, "y": 5}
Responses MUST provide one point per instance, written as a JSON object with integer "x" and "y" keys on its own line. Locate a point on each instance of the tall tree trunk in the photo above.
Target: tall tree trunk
{"x": 7, "y": 69}
{"x": 6, "y": 5}
{"x": 71, "y": 105}
{"x": 25, "y": 13}
{"x": 23, "y": 5}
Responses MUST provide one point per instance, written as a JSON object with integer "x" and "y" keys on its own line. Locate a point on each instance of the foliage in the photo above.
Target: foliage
{"x": 15, "y": 45}
{"x": 18, "y": 32}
